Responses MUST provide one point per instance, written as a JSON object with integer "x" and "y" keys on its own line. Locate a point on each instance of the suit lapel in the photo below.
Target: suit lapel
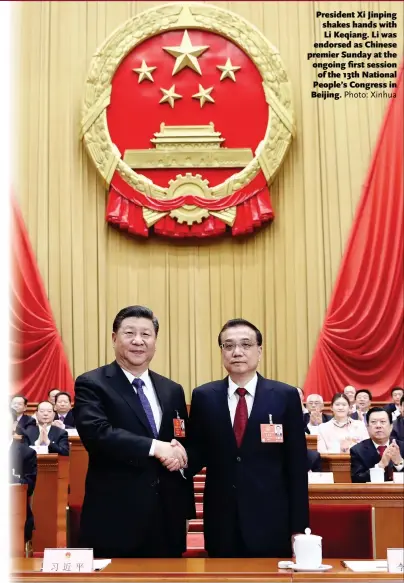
{"x": 371, "y": 452}
{"x": 260, "y": 404}
{"x": 221, "y": 406}
{"x": 118, "y": 381}
{"x": 52, "y": 433}
{"x": 163, "y": 396}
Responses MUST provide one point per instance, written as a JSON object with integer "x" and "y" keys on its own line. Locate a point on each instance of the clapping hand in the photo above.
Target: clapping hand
{"x": 43, "y": 435}
{"x": 315, "y": 418}
{"x": 58, "y": 423}
{"x": 394, "y": 453}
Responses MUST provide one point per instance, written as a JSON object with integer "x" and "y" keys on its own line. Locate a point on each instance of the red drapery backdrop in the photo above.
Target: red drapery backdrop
{"x": 38, "y": 360}
{"x": 361, "y": 342}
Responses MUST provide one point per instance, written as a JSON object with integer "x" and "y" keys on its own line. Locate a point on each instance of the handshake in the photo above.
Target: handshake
{"x": 172, "y": 455}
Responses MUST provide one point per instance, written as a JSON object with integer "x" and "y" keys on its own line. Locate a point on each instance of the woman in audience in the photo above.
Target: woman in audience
{"x": 339, "y": 434}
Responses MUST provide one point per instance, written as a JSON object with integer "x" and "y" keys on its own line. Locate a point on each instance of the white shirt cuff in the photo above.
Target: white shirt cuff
{"x": 152, "y": 448}
{"x": 399, "y": 467}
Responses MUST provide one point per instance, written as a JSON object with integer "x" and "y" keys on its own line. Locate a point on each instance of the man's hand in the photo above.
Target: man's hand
{"x": 394, "y": 453}
{"x": 43, "y": 436}
{"x": 384, "y": 462}
{"x": 316, "y": 418}
{"x": 58, "y": 423}
{"x": 173, "y": 464}
{"x": 172, "y": 455}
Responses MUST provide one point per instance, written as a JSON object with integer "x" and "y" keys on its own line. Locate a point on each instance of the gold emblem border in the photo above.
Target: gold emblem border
{"x": 177, "y": 16}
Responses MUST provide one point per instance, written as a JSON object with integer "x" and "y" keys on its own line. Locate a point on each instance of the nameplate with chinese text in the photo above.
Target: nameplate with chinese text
{"x": 68, "y": 561}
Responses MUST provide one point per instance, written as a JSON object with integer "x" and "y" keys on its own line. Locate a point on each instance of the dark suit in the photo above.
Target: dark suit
{"x": 355, "y": 416}
{"x": 257, "y": 493}
{"x": 364, "y": 456}
{"x": 306, "y": 420}
{"x": 391, "y": 407}
{"x": 133, "y": 506}
{"x": 58, "y": 439}
{"x": 25, "y": 421}
{"x": 23, "y": 470}
{"x": 68, "y": 420}
{"x": 313, "y": 461}
{"x": 398, "y": 429}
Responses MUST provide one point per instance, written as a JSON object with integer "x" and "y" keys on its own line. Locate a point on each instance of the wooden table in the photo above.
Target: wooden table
{"x": 190, "y": 570}
{"x": 311, "y": 441}
{"x": 50, "y": 501}
{"x": 78, "y": 471}
{"x": 387, "y": 499}
{"x": 18, "y": 515}
{"x": 339, "y": 464}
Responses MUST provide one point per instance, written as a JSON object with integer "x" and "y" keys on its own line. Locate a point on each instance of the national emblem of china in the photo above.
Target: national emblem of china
{"x": 187, "y": 116}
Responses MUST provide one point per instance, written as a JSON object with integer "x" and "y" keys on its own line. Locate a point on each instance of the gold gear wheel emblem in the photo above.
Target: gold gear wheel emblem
{"x": 189, "y": 185}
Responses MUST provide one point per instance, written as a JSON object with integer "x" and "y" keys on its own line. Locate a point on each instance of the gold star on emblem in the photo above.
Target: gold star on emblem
{"x": 145, "y": 72}
{"x": 169, "y": 95}
{"x": 186, "y": 55}
{"x": 228, "y": 70}
{"x": 204, "y": 95}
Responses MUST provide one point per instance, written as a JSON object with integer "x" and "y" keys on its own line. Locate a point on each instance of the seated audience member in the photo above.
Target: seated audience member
{"x": 314, "y": 416}
{"x": 19, "y": 405}
{"x": 64, "y": 416}
{"x": 377, "y": 451}
{"x": 341, "y": 432}
{"x": 23, "y": 469}
{"x": 363, "y": 402}
{"x": 394, "y": 407}
{"x": 52, "y": 395}
{"x": 350, "y": 392}
{"x": 45, "y": 433}
{"x": 313, "y": 461}
{"x": 51, "y": 398}
{"x": 398, "y": 425}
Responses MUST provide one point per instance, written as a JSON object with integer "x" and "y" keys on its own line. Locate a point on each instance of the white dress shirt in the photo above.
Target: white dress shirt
{"x": 151, "y": 395}
{"x": 399, "y": 467}
{"x": 233, "y": 397}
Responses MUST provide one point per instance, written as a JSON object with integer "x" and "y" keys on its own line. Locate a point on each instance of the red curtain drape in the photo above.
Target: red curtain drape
{"x": 361, "y": 342}
{"x": 38, "y": 360}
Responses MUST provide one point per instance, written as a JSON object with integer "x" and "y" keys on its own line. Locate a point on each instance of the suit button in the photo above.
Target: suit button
{"x": 234, "y": 486}
{"x": 239, "y": 459}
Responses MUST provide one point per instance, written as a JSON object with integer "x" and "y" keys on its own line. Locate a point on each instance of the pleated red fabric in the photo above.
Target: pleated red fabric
{"x": 38, "y": 359}
{"x": 361, "y": 342}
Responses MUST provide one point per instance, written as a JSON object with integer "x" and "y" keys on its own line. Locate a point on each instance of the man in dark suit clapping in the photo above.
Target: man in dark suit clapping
{"x": 45, "y": 433}
{"x": 64, "y": 415}
{"x": 379, "y": 451}
{"x": 129, "y": 417}
{"x": 19, "y": 405}
{"x": 256, "y": 492}
{"x": 396, "y": 395}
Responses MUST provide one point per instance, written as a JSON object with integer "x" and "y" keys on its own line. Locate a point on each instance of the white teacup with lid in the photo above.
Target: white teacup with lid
{"x": 308, "y": 550}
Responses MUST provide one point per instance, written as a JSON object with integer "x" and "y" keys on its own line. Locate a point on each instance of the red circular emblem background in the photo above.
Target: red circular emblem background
{"x": 240, "y": 111}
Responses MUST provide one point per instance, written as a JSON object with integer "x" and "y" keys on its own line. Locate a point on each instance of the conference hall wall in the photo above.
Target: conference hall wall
{"x": 280, "y": 277}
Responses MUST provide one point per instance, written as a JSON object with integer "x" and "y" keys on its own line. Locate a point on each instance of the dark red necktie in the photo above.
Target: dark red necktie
{"x": 388, "y": 470}
{"x": 241, "y": 417}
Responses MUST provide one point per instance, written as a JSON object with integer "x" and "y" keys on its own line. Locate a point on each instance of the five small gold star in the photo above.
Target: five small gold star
{"x": 186, "y": 55}
{"x": 169, "y": 95}
{"x": 228, "y": 70}
{"x": 144, "y": 72}
{"x": 204, "y": 95}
